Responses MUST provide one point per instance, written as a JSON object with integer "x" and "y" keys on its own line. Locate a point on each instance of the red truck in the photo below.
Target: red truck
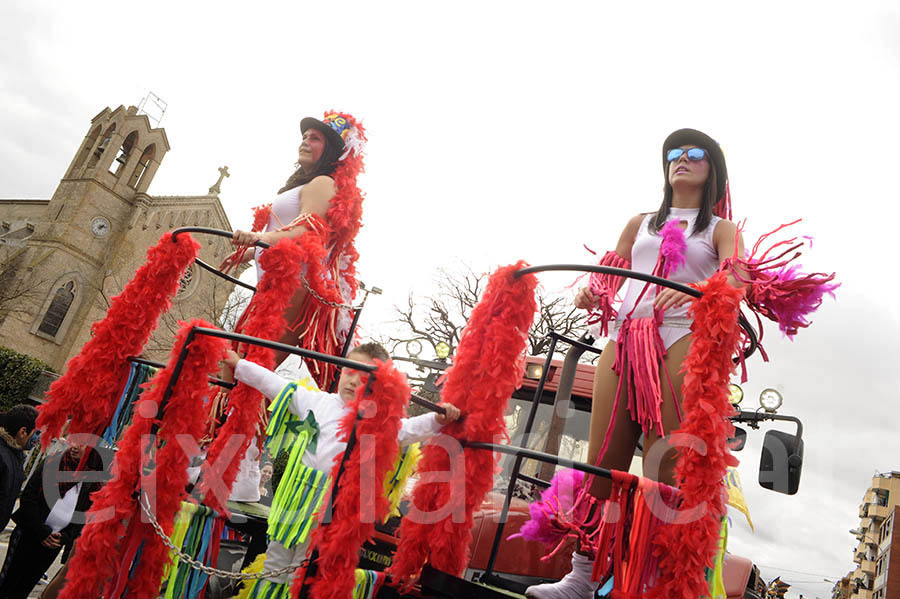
{"x": 537, "y": 421}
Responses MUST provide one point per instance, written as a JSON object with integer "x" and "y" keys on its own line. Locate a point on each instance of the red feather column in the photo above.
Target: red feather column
{"x": 339, "y": 541}
{"x": 101, "y": 544}
{"x": 685, "y": 549}
{"x": 95, "y": 377}
{"x": 282, "y": 264}
{"x": 486, "y": 370}
{"x": 185, "y": 418}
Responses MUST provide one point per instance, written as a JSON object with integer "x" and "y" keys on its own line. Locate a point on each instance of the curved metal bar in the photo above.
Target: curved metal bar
{"x": 219, "y": 273}
{"x": 211, "y": 231}
{"x": 155, "y": 364}
{"x": 306, "y": 353}
{"x": 538, "y": 455}
{"x": 428, "y": 405}
{"x": 212, "y": 269}
{"x": 751, "y": 335}
{"x": 611, "y": 270}
{"x": 624, "y": 272}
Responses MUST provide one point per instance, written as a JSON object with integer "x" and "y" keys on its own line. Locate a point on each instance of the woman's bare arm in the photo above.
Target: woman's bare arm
{"x": 585, "y": 299}
{"x": 725, "y": 237}
{"x": 315, "y": 199}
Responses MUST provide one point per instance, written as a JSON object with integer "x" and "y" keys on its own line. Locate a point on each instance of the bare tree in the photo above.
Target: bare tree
{"x": 215, "y": 302}
{"x": 440, "y": 318}
{"x": 18, "y": 289}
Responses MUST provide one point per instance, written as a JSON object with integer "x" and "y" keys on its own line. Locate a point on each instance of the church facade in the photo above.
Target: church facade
{"x": 62, "y": 260}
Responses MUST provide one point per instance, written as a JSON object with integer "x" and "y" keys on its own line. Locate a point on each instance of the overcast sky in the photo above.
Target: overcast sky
{"x": 508, "y": 130}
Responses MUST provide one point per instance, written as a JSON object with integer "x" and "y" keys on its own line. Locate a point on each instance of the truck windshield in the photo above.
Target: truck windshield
{"x": 553, "y": 431}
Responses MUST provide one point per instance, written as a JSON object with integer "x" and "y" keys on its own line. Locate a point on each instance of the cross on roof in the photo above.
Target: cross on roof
{"x": 216, "y": 189}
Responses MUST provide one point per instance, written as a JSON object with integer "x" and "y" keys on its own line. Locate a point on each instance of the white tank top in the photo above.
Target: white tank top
{"x": 285, "y": 208}
{"x": 701, "y": 261}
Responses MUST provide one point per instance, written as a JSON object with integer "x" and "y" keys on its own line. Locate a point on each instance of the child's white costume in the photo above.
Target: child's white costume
{"x": 319, "y": 415}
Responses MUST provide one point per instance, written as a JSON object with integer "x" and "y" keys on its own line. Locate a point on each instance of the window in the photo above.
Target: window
{"x": 186, "y": 284}
{"x": 59, "y": 307}
{"x": 103, "y": 144}
{"x": 88, "y": 144}
{"x": 141, "y": 167}
{"x": 124, "y": 152}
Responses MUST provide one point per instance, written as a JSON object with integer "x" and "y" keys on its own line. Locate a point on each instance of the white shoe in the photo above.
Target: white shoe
{"x": 574, "y": 585}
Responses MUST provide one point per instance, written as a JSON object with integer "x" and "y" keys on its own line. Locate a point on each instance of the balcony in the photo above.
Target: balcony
{"x": 868, "y": 567}
{"x": 880, "y": 483}
{"x": 863, "y": 594}
{"x": 878, "y": 512}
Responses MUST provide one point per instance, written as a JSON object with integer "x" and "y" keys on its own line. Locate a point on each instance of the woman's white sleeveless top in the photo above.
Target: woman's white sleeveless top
{"x": 701, "y": 261}
{"x": 285, "y": 208}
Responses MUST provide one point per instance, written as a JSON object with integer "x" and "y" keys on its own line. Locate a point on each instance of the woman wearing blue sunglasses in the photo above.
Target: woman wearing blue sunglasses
{"x": 696, "y": 198}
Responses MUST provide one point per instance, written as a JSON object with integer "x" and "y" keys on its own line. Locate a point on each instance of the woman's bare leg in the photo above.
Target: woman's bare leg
{"x": 659, "y": 460}
{"x": 293, "y": 310}
{"x": 624, "y": 437}
{"x": 625, "y": 433}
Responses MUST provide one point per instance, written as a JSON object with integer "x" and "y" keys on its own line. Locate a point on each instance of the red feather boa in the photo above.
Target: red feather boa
{"x": 486, "y": 370}
{"x": 316, "y": 321}
{"x": 95, "y": 377}
{"x": 101, "y": 545}
{"x": 685, "y": 549}
{"x": 265, "y": 318}
{"x": 339, "y": 541}
{"x": 185, "y": 414}
{"x": 345, "y": 212}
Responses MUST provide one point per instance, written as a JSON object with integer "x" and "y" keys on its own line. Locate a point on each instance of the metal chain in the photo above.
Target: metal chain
{"x": 198, "y": 565}
{"x": 322, "y": 299}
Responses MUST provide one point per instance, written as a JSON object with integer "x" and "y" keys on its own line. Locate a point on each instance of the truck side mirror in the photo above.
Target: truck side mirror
{"x": 781, "y": 462}
{"x": 737, "y": 442}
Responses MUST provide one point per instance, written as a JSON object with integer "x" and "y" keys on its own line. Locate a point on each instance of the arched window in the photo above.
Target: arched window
{"x": 106, "y": 139}
{"x": 59, "y": 307}
{"x": 124, "y": 152}
{"x": 88, "y": 144}
{"x": 141, "y": 167}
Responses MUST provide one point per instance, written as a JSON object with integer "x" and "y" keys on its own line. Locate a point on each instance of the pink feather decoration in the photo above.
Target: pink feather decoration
{"x": 777, "y": 289}
{"x": 673, "y": 247}
{"x": 558, "y": 497}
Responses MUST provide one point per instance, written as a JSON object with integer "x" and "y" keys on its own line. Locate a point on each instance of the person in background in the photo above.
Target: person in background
{"x": 265, "y": 490}
{"x": 42, "y": 529}
{"x": 16, "y": 429}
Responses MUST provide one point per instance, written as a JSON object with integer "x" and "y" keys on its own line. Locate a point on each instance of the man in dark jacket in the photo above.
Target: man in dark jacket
{"x": 16, "y": 427}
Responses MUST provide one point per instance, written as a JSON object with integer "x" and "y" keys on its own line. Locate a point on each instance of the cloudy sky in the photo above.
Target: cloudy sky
{"x": 508, "y": 130}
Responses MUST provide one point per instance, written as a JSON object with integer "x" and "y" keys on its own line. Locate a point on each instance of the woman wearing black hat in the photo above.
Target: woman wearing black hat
{"x": 320, "y": 196}
{"x": 651, "y": 331}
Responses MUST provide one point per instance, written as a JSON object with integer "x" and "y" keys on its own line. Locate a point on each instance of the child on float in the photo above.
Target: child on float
{"x": 327, "y": 410}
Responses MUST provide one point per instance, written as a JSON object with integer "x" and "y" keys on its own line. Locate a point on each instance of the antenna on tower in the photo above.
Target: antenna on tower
{"x": 157, "y": 107}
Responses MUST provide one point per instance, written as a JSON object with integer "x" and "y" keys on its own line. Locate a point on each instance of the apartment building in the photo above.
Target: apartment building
{"x": 876, "y": 576}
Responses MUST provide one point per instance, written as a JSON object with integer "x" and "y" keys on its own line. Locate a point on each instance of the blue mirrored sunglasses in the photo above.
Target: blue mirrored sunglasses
{"x": 693, "y": 154}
